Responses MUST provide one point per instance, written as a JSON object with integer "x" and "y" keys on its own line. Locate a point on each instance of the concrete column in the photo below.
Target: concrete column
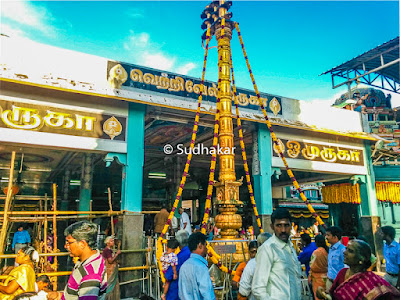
{"x": 369, "y": 206}
{"x": 86, "y": 182}
{"x": 132, "y": 238}
{"x": 135, "y": 159}
{"x": 262, "y": 172}
{"x": 65, "y": 190}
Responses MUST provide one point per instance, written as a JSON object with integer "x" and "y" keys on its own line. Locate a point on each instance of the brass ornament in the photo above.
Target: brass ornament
{"x": 275, "y": 106}
{"x": 117, "y": 76}
{"x": 112, "y": 127}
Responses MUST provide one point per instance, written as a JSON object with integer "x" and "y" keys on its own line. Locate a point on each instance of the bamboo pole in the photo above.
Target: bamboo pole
{"x": 111, "y": 210}
{"x": 67, "y": 253}
{"x": 45, "y": 224}
{"x": 69, "y": 217}
{"x": 65, "y": 273}
{"x": 69, "y": 212}
{"x": 7, "y": 204}
{"x": 55, "y": 232}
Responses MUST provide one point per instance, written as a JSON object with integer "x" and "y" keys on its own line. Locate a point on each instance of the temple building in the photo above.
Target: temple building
{"x": 384, "y": 121}
{"x": 88, "y": 123}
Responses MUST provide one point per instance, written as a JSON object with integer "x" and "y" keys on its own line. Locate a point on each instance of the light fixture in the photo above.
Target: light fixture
{"x": 74, "y": 182}
{"x": 156, "y": 175}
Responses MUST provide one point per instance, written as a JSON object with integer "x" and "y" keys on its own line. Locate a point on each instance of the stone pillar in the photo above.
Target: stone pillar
{"x": 369, "y": 206}
{"x": 132, "y": 201}
{"x": 262, "y": 172}
{"x": 65, "y": 190}
{"x": 86, "y": 182}
{"x": 132, "y": 238}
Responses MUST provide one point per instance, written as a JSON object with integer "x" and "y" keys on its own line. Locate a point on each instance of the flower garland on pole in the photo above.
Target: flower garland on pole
{"x": 161, "y": 239}
{"x": 273, "y": 136}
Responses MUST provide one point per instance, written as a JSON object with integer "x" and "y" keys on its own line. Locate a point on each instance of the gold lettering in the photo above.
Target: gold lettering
{"x": 189, "y": 86}
{"x": 293, "y": 149}
{"x": 243, "y": 100}
{"x": 264, "y": 101}
{"x": 253, "y": 100}
{"x": 212, "y": 91}
{"x": 148, "y": 78}
{"x": 21, "y": 117}
{"x": 163, "y": 83}
{"x": 84, "y": 120}
{"x": 355, "y": 156}
{"x": 137, "y": 75}
{"x": 197, "y": 88}
{"x": 328, "y": 155}
{"x": 279, "y": 148}
{"x": 343, "y": 155}
{"x": 57, "y": 119}
{"x": 310, "y": 152}
{"x": 177, "y": 84}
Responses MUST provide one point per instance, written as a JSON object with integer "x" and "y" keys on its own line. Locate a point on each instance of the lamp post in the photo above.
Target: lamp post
{"x": 227, "y": 188}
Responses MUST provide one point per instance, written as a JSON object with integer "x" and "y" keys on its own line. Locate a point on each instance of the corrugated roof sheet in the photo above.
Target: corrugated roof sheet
{"x": 372, "y": 59}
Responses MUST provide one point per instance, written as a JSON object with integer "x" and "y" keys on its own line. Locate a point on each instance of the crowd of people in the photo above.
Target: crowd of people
{"x": 94, "y": 276}
{"x": 274, "y": 270}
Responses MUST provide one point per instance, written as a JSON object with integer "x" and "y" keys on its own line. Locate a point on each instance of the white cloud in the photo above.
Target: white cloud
{"x": 25, "y": 14}
{"x": 157, "y": 61}
{"x": 186, "y": 68}
{"x": 147, "y": 53}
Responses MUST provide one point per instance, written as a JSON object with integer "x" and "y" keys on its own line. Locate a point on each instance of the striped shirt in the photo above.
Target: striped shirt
{"x": 88, "y": 280}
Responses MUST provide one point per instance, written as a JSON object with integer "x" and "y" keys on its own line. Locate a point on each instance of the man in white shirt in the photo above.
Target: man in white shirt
{"x": 278, "y": 272}
{"x": 185, "y": 221}
{"x": 247, "y": 276}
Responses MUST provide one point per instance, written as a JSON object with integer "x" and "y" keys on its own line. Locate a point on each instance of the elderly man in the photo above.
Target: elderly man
{"x": 278, "y": 272}
{"x": 88, "y": 279}
{"x": 182, "y": 236}
{"x": 194, "y": 279}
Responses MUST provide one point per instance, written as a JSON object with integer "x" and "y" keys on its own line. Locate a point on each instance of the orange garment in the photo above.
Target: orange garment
{"x": 318, "y": 269}
{"x": 160, "y": 219}
{"x": 239, "y": 271}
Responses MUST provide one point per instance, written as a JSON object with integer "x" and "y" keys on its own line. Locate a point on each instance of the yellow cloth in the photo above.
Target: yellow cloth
{"x": 25, "y": 277}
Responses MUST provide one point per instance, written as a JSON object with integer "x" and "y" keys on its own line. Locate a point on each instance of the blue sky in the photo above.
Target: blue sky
{"x": 288, "y": 43}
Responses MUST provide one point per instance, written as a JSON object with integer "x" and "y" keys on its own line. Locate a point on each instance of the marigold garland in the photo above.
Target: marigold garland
{"x": 161, "y": 239}
{"x": 341, "y": 193}
{"x": 273, "y": 136}
{"x": 388, "y": 191}
{"x": 246, "y": 166}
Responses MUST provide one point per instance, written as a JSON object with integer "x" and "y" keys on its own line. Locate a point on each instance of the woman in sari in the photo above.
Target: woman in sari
{"x": 22, "y": 278}
{"x": 319, "y": 265}
{"x": 112, "y": 269}
{"x": 356, "y": 283}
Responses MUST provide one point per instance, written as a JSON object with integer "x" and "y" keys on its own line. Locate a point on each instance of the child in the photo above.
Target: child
{"x": 169, "y": 258}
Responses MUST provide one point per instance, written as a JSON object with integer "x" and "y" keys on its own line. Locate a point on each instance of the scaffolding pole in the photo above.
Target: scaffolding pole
{"x": 7, "y": 204}
{"x": 55, "y": 233}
